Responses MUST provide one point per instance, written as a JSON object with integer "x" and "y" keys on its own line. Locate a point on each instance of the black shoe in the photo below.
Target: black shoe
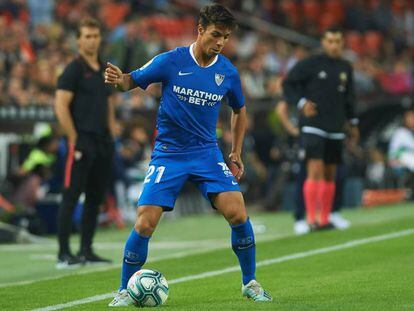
{"x": 313, "y": 227}
{"x": 68, "y": 261}
{"x": 91, "y": 258}
{"x": 328, "y": 226}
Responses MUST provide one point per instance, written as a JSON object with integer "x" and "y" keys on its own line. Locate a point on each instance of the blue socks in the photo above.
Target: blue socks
{"x": 242, "y": 241}
{"x": 135, "y": 255}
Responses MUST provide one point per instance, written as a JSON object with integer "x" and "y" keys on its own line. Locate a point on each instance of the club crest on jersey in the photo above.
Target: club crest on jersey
{"x": 219, "y": 79}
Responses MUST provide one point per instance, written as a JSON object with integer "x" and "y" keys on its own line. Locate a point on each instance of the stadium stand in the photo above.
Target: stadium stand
{"x": 37, "y": 39}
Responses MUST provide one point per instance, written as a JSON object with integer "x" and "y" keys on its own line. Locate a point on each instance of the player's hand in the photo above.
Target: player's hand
{"x": 309, "y": 109}
{"x": 113, "y": 75}
{"x": 235, "y": 159}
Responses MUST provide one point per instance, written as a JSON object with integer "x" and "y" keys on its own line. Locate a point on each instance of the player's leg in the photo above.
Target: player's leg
{"x": 78, "y": 165}
{"x": 314, "y": 148}
{"x": 333, "y": 185}
{"x": 328, "y": 193}
{"x": 136, "y": 247}
{"x": 231, "y": 206}
{"x": 312, "y": 189}
{"x": 165, "y": 178}
{"x": 95, "y": 190}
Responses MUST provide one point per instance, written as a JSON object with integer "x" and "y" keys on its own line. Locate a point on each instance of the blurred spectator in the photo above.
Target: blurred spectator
{"x": 401, "y": 147}
{"x": 399, "y": 81}
{"x": 378, "y": 173}
{"x": 254, "y": 78}
{"x": 41, "y": 12}
{"x": 31, "y": 188}
{"x": 43, "y": 155}
{"x": 129, "y": 51}
{"x": 37, "y": 38}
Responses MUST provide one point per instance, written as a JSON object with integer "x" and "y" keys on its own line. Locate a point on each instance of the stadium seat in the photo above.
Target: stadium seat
{"x": 170, "y": 27}
{"x": 372, "y": 42}
{"x": 312, "y": 10}
{"x": 336, "y": 9}
{"x": 327, "y": 20}
{"x": 353, "y": 41}
{"x": 114, "y": 13}
{"x": 291, "y": 9}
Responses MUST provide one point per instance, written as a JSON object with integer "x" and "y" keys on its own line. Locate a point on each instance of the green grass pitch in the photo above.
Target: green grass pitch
{"x": 318, "y": 271}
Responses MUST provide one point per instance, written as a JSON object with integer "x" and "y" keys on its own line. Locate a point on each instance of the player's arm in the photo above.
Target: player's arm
{"x": 238, "y": 122}
{"x": 111, "y": 115}
{"x": 238, "y": 128}
{"x": 156, "y": 70}
{"x": 293, "y": 88}
{"x": 282, "y": 110}
{"x": 62, "y": 109}
{"x": 115, "y": 77}
{"x": 350, "y": 107}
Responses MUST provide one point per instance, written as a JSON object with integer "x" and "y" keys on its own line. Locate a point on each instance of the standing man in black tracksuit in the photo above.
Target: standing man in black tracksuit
{"x": 321, "y": 86}
{"x": 85, "y": 111}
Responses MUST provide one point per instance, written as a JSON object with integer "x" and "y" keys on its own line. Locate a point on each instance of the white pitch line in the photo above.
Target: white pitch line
{"x": 218, "y": 244}
{"x": 262, "y": 263}
{"x": 115, "y": 266}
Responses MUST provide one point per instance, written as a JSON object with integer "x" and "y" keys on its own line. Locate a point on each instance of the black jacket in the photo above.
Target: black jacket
{"x": 328, "y": 82}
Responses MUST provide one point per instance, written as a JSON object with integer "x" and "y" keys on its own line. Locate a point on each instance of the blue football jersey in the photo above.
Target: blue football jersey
{"x": 191, "y": 97}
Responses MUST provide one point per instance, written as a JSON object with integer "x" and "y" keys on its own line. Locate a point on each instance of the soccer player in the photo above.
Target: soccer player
{"x": 195, "y": 80}
{"x": 322, "y": 88}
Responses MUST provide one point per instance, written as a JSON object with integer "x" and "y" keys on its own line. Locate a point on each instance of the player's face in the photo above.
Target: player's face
{"x": 89, "y": 40}
{"x": 333, "y": 43}
{"x": 213, "y": 38}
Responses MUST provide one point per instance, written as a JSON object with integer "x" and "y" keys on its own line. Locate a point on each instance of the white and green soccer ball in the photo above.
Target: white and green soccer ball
{"x": 148, "y": 288}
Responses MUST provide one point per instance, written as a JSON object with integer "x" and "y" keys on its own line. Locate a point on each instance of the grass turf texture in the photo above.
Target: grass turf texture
{"x": 376, "y": 276}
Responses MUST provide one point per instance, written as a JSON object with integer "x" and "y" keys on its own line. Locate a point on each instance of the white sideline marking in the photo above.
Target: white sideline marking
{"x": 113, "y": 266}
{"x": 262, "y": 263}
{"x": 218, "y": 244}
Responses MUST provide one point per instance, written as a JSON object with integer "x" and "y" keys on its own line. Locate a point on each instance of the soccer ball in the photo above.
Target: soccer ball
{"x": 148, "y": 288}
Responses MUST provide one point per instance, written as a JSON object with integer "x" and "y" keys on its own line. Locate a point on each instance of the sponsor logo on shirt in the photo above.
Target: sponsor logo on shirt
{"x": 197, "y": 97}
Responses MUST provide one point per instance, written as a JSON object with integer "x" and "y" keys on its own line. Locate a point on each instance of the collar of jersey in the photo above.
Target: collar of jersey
{"x": 192, "y": 55}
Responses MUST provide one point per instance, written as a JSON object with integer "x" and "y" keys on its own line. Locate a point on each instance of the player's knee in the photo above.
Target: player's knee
{"x": 237, "y": 216}
{"x": 145, "y": 226}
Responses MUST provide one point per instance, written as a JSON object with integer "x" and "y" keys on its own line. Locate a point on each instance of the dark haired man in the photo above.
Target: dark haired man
{"x": 84, "y": 110}
{"x": 322, "y": 88}
{"x": 194, "y": 80}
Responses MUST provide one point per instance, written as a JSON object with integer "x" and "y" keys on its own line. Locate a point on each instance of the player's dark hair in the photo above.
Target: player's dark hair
{"x": 87, "y": 22}
{"x": 217, "y": 14}
{"x": 332, "y": 29}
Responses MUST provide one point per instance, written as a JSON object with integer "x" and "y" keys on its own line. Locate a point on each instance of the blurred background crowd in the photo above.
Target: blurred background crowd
{"x": 37, "y": 39}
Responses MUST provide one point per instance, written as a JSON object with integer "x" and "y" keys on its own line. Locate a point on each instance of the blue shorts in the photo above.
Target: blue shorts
{"x": 168, "y": 171}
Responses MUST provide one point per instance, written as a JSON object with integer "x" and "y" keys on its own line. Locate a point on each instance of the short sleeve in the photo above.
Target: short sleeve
{"x": 235, "y": 94}
{"x": 154, "y": 71}
{"x": 69, "y": 78}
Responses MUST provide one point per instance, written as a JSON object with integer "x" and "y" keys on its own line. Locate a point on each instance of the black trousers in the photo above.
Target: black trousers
{"x": 88, "y": 170}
